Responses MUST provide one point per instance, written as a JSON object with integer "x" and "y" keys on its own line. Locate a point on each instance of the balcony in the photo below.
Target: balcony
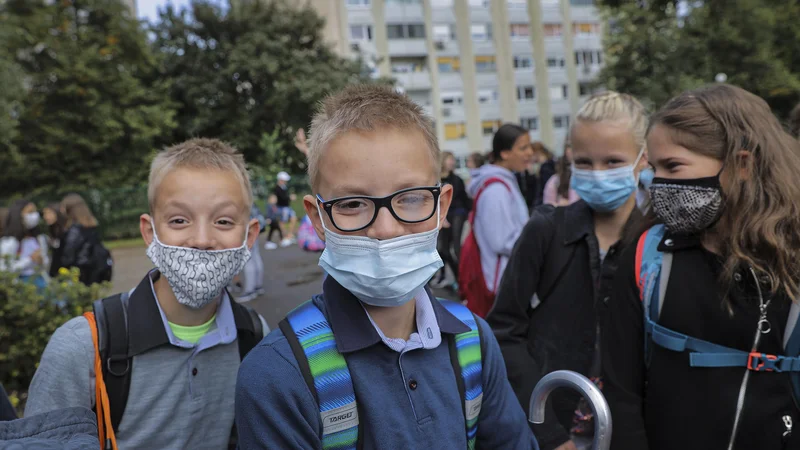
{"x": 411, "y": 81}
{"x": 407, "y": 47}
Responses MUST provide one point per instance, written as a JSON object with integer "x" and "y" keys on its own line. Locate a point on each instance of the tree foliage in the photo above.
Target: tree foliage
{"x": 250, "y": 77}
{"x": 655, "y": 52}
{"x": 94, "y": 106}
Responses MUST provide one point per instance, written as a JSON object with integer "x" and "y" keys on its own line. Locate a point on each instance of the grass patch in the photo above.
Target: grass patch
{"x": 124, "y": 243}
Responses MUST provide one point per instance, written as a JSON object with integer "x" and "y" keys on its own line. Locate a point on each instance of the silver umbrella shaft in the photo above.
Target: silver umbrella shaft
{"x": 574, "y": 380}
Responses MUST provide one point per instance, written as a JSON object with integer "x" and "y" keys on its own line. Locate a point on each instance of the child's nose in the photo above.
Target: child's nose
{"x": 385, "y": 226}
{"x": 203, "y": 239}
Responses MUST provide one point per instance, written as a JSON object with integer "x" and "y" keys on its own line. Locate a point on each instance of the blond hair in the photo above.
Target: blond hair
{"x": 198, "y": 153}
{"x": 367, "y": 107}
{"x": 77, "y": 211}
{"x": 612, "y": 106}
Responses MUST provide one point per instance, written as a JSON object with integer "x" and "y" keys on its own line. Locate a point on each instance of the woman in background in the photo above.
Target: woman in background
{"x": 22, "y": 249}
{"x": 56, "y": 228}
{"x": 80, "y": 240}
{"x": 557, "y": 190}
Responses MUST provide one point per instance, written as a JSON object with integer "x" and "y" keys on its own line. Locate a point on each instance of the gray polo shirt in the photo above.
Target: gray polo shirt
{"x": 181, "y": 395}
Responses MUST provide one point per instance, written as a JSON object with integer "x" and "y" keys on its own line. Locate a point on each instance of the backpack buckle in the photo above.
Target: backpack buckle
{"x": 113, "y": 360}
{"x": 762, "y": 362}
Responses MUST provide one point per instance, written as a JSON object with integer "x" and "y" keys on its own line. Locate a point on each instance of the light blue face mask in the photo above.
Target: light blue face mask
{"x": 646, "y": 177}
{"x": 605, "y": 190}
{"x": 381, "y": 272}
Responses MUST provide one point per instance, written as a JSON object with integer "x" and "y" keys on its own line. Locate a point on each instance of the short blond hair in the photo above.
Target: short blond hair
{"x": 613, "y": 106}
{"x": 367, "y": 107}
{"x": 198, "y": 153}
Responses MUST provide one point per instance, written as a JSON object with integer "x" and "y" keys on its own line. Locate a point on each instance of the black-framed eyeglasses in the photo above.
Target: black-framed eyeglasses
{"x": 354, "y": 213}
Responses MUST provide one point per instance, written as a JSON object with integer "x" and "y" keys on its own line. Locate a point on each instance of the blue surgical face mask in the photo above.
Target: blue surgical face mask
{"x": 381, "y": 272}
{"x": 605, "y": 190}
{"x": 646, "y": 177}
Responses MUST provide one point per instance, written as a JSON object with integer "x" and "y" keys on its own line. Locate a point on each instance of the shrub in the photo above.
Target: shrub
{"x": 28, "y": 317}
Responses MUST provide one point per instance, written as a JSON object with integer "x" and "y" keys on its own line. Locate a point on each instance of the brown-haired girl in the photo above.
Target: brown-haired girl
{"x": 81, "y": 241}
{"x": 698, "y": 343}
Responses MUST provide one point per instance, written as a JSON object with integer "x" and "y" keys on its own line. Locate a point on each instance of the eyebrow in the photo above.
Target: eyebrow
{"x": 340, "y": 191}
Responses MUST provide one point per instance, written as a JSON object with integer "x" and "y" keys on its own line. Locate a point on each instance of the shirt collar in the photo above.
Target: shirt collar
{"x": 579, "y": 221}
{"x": 144, "y": 312}
{"x": 351, "y": 325}
{"x": 428, "y": 334}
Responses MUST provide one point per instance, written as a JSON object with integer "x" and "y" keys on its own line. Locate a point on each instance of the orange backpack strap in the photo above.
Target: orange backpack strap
{"x": 105, "y": 431}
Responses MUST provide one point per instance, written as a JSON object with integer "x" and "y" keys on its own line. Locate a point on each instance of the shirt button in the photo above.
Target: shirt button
{"x": 606, "y": 299}
{"x": 412, "y": 384}
{"x": 194, "y": 372}
{"x": 668, "y": 242}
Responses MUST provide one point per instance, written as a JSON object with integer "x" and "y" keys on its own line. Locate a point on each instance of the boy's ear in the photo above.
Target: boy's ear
{"x": 310, "y": 205}
{"x": 445, "y": 198}
{"x": 146, "y": 228}
{"x": 253, "y": 229}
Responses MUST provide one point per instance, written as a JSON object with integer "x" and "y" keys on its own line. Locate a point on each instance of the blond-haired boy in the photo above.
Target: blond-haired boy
{"x": 170, "y": 347}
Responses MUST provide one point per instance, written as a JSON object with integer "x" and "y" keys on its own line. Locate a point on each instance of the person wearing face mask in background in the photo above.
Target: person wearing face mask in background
{"x": 701, "y": 339}
{"x": 376, "y": 361}
{"x": 499, "y": 213}
{"x": 22, "y": 249}
{"x": 558, "y": 279}
{"x": 169, "y": 349}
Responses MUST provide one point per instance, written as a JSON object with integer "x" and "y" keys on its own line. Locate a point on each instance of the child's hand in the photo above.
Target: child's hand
{"x": 300, "y": 142}
{"x": 37, "y": 257}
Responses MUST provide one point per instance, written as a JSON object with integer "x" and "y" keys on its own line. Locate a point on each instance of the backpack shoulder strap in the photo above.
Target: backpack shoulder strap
{"x": 325, "y": 371}
{"x": 105, "y": 432}
{"x": 249, "y": 330}
{"x": 112, "y": 328}
{"x": 466, "y": 356}
{"x": 648, "y": 266}
{"x": 488, "y": 182}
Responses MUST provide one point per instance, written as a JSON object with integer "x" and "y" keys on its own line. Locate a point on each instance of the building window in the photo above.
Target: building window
{"x": 453, "y": 131}
{"x": 586, "y": 29}
{"x": 552, "y": 29}
{"x": 442, "y": 33}
{"x": 552, "y": 62}
{"x": 490, "y": 126}
{"x": 448, "y": 64}
{"x": 452, "y": 98}
{"x": 361, "y": 32}
{"x": 520, "y": 31}
{"x": 526, "y": 93}
{"x": 480, "y": 32}
{"x": 485, "y": 64}
{"x": 585, "y": 89}
{"x": 406, "y": 31}
{"x": 556, "y": 93}
{"x": 561, "y": 121}
{"x": 531, "y": 123}
{"x": 487, "y": 96}
{"x": 523, "y": 62}
{"x": 517, "y": 3}
{"x": 416, "y": 31}
{"x": 599, "y": 57}
{"x": 358, "y": 3}
{"x": 565, "y": 91}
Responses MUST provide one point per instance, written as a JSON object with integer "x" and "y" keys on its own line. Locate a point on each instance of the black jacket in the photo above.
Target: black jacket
{"x": 529, "y": 186}
{"x": 557, "y": 257}
{"x": 672, "y": 405}
{"x": 461, "y": 204}
{"x": 75, "y": 250}
{"x": 547, "y": 170}
{"x": 284, "y": 199}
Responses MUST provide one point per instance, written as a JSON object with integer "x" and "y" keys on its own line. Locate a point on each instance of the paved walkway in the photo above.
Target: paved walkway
{"x": 291, "y": 276}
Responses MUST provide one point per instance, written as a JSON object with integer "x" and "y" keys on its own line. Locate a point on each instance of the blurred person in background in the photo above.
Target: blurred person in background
{"x": 22, "y": 249}
{"x": 56, "y": 223}
{"x": 288, "y": 218}
{"x": 544, "y": 159}
{"x": 81, "y": 246}
{"x": 449, "y": 241}
{"x": 557, "y": 190}
{"x": 3, "y": 218}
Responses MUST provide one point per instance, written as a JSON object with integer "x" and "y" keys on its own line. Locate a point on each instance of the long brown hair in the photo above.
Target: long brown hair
{"x": 564, "y": 171}
{"x": 760, "y": 223}
{"x": 77, "y": 211}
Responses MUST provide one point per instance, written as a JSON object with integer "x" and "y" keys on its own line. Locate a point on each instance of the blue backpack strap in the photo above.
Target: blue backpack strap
{"x": 468, "y": 363}
{"x": 325, "y": 371}
{"x": 648, "y": 272}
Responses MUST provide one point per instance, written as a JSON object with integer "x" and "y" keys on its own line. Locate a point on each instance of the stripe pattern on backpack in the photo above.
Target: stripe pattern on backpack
{"x": 334, "y": 387}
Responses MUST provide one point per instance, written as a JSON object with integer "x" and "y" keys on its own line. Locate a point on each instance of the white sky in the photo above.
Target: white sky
{"x": 148, "y": 9}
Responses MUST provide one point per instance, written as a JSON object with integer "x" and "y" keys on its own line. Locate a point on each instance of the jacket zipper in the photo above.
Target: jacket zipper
{"x": 763, "y": 327}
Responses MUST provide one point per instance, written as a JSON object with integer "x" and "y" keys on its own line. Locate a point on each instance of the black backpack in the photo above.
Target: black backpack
{"x": 101, "y": 263}
{"x": 112, "y": 332}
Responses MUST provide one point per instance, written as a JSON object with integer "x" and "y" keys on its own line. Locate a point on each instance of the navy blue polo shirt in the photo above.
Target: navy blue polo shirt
{"x": 408, "y": 400}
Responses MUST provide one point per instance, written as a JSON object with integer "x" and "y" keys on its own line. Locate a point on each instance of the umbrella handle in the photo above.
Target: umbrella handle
{"x": 574, "y": 380}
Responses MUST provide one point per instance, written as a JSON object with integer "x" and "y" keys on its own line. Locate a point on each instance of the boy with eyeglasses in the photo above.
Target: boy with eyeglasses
{"x": 376, "y": 361}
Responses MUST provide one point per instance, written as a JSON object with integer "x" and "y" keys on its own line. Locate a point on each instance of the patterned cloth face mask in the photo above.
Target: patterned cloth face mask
{"x": 197, "y": 277}
{"x": 687, "y": 206}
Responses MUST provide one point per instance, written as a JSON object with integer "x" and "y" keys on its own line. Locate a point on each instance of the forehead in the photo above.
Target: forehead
{"x": 376, "y": 162}
{"x": 595, "y": 139}
{"x": 198, "y": 187}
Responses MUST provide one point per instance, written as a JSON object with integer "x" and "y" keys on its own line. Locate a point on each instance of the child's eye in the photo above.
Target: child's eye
{"x": 224, "y": 222}
{"x": 178, "y": 221}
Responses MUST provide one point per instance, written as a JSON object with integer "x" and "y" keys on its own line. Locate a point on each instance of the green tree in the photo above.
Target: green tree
{"x": 95, "y": 106}
{"x": 252, "y": 76}
{"x": 655, "y": 53}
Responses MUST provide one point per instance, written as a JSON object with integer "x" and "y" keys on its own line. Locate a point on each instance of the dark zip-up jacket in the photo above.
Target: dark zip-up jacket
{"x": 556, "y": 258}
{"x": 671, "y": 405}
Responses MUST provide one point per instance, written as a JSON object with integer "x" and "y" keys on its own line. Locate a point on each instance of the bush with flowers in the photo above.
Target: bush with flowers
{"x": 29, "y": 316}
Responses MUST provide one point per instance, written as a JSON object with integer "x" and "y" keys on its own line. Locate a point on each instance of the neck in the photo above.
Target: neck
{"x": 396, "y": 322}
{"x": 177, "y": 313}
{"x": 608, "y": 226}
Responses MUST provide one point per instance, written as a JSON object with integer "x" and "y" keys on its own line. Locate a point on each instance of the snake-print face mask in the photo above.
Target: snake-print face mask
{"x": 197, "y": 277}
